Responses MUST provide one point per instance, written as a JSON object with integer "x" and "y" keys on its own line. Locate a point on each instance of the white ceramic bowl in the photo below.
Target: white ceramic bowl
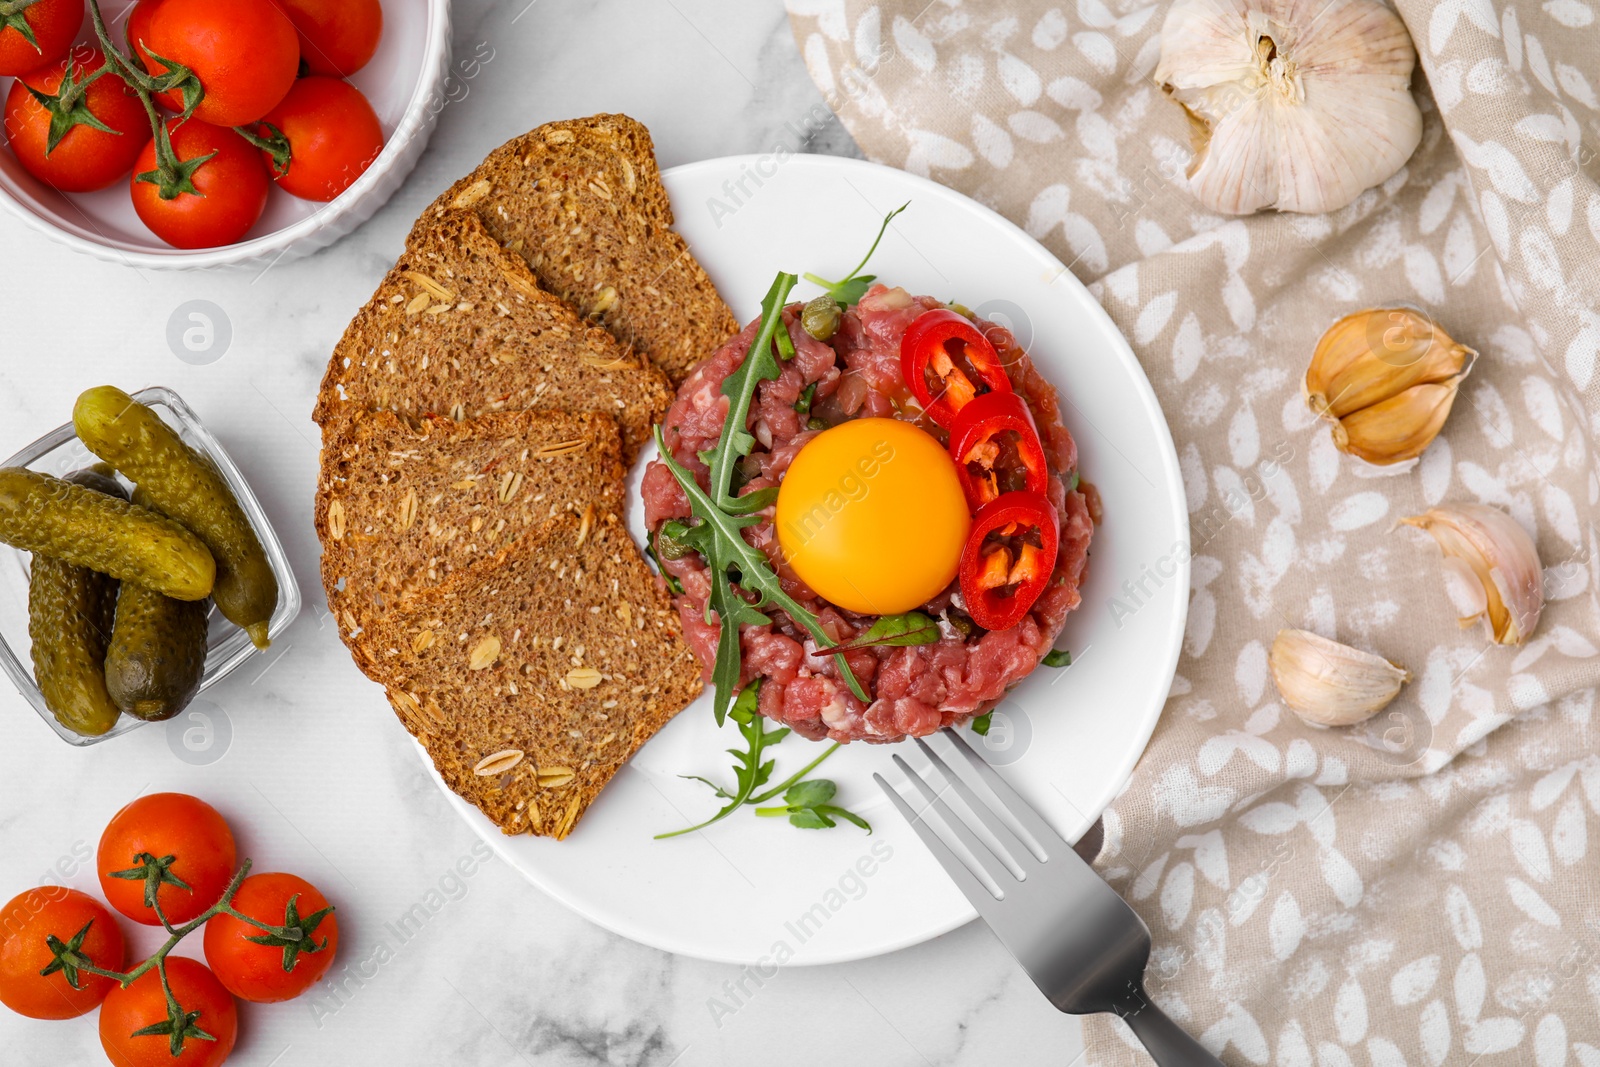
{"x": 406, "y": 83}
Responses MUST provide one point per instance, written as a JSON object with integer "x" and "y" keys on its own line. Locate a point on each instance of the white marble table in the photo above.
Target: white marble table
{"x": 316, "y": 776}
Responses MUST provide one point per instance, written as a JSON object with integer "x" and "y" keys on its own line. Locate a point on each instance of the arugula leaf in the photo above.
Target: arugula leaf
{"x": 980, "y": 725}
{"x": 759, "y": 365}
{"x": 719, "y": 540}
{"x": 750, "y": 771}
{"x": 896, "y": 631}
{"x": 1057, "y": 657}
{"x": 806, "y": 805}
{"x": 731, "y": 609}
{"x": 810, "y": 794}
{"x": 750, "y": 503}
{"x": 854, "y": 286}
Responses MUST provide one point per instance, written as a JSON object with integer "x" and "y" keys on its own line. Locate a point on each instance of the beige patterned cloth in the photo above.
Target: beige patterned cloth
{"x": 1422, "y": 891}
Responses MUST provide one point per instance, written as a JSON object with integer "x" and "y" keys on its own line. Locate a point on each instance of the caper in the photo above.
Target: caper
{"x": 821, "y": 317}
{"x": 962, "y": 622}
{"x": 670, "y": 540}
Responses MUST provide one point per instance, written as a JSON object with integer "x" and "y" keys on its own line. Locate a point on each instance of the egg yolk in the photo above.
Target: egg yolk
{"x": 871, "y": 516}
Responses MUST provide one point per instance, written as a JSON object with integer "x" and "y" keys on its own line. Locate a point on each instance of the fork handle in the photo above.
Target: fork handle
{"x": 1167, "y": 1042}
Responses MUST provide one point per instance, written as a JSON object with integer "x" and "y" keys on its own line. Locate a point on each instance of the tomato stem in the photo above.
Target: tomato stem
{"x": 173, "y": 176}
{"x": 297, "y": 935}
{"x": 274, "y": 144}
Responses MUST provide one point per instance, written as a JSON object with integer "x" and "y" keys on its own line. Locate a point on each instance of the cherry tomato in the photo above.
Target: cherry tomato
{"x": 83, "y": 925}
{"x": 284, "y": 969}
{"x": 1009, "y": 557}
{"x": 996, "y": 448}
{"x": 86, "y": 158}
{"x": 337, "y": 37}
{"x": 163, "y": 825}
{"x": 143, "y": 1004}
{"x": 333, "y": 137}
{"x": 231, "y": 186}
{"x": 244, "y": 52}
{"x": 55, "y": 26}
{"x": 946, "y": 361}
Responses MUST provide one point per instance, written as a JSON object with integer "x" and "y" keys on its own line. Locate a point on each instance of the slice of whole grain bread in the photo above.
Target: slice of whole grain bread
{"x": 531, "y": 678}
{"x": 459, "y": 327}
{"x": 401, "y": 506}
{"x": 582, "y": 202}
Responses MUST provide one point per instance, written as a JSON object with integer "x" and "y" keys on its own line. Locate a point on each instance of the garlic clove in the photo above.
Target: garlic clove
{"x": 1486, "y": 547}
{"x": 1331, "y": 684}
{"x": 1386, "y": 379}
{"x": 1372, "y": 355}
{"x": 1298, "y": 106}
{"x": 1397, "y": 429}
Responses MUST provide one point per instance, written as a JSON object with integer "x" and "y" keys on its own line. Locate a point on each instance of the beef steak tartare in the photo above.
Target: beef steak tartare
{"x": 857, "y": 373}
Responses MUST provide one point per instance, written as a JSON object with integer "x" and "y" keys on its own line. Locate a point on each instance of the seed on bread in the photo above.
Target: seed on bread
{"x": 418, "y": 304}
{"x": 560, "y": 448}
{"x": 484, "y": 654}
{"x": 583, "y": 677}
{"x": 498, "y": 763}
{"x": 471, "y": 194}
{"x": 585, "y": 524}
{"x": 336, "y": 520}
{"x": 408, "y": 509}
{"x": 510, "y": 486}
{"x": 555, "y": 777}
{"x": 431, "y": 287}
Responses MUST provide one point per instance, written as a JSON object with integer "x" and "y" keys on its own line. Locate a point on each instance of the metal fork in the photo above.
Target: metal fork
{"x": 1078, "y": 940}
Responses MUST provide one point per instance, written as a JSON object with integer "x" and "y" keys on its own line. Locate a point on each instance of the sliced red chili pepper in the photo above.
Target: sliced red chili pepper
{"x": 950, "y": 349}
{"x": 987, "y": 454}
{"x": 1009, "y": 558}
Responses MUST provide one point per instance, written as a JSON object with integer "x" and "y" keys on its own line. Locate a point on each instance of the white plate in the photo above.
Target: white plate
{"x": 1067, "y": 739}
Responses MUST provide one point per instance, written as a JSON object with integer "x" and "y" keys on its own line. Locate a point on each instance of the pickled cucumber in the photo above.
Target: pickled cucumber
{"x": 69, "y": 622}
{"x": 157, "y": 654}
{"x": 182, "y": 484}
{"x": 53, "y": 517}
{"x": 99, "y": 477}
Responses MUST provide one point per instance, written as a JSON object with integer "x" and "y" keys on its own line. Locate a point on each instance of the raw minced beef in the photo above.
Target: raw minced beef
{"x": 916, "y": 690}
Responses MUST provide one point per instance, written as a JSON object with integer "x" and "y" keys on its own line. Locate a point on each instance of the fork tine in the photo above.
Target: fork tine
{"x": 1019, "y": 849}
{"x": 974, "y": 890}
{"x": 1020, "y": 809}
{"x": 958, "y": 826}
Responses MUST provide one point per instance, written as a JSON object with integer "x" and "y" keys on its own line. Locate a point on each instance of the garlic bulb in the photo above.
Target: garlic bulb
{"x": 1491, "y": 568}
{"x": 1297, "y": 105}
{"x": 1386, "y": 379}
{"x": 1331, "y": 684}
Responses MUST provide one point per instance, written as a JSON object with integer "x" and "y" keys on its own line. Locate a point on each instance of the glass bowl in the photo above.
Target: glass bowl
{"x": 59, "y": 452}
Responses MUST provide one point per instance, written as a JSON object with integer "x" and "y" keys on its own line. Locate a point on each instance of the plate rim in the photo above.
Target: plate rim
{"x": 664, "y": 940}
